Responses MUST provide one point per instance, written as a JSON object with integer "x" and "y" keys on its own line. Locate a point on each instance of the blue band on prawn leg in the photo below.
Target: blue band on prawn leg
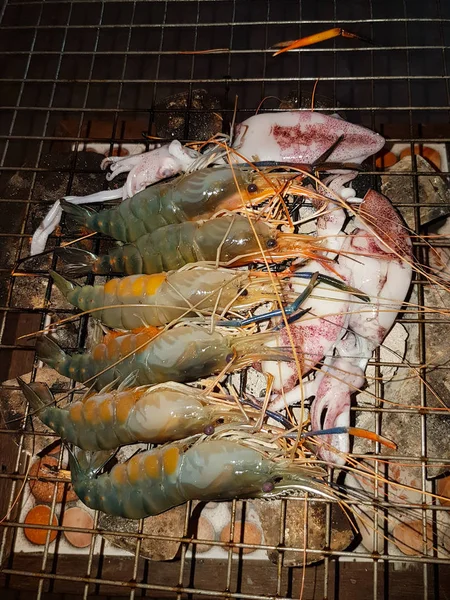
{"x": 291, "y": 309}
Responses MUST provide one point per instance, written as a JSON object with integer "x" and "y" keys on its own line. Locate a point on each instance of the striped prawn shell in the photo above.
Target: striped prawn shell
{"x": 160, "y": 298}
{"x": 152, "y": 482}
{"x": 195, "y": 196}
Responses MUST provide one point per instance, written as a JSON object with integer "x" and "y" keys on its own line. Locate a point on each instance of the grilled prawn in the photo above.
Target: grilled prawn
{"x": 158, "y": 299}
{"x": 184, "y": 353}
{"x": 230, "y": 240}
{"x": 193, "y": 197}
{"x": 151, "y": 482}
{"x": 104, "y": 421}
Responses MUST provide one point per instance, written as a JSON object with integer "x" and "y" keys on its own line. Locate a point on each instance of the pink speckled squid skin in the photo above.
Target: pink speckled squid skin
{"x": 382, "y": 270}
{"x": 302, "y": 137}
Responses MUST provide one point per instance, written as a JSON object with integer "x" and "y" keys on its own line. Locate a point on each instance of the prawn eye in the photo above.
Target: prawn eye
{"x": 209, "y": 430}
{"x": 252, "y": 188}
{"x": 244, "y": 293}
{"x": 271, "y": 243}
{"x": 229, "y": 357}
{"x": 267, "y": 486}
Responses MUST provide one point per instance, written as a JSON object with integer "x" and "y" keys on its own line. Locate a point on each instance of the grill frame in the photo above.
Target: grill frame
{"x": 116, "y": 99}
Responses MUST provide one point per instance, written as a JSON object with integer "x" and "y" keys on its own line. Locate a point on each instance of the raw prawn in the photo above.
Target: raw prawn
{"x": 146, "y": 169}
{"x": 193, "y": 197}
{"x": 229, "y": 240}
{"x": 377, "y": 258}
{"x": 295, "y": 137}
{"x": 159, "y": 299}
{"x": 184, "y": 353}
{"x": 109, "y": 419}
{"x": 150, "y": 483}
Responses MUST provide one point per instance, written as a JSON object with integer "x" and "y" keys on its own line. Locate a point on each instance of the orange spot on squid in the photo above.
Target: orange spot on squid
{"x": 151, "y": 466}
{"x": 170, "y": 460}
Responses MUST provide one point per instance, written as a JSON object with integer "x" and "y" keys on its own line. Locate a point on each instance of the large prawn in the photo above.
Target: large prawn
{"x": 183, "y": 353}
{"x": 158, "y": 299}
{"x": 193, "y": 197}
{"x": 151, "y": 482}
{"x": 231, "y": 240}
{"x": 162, "y": 413}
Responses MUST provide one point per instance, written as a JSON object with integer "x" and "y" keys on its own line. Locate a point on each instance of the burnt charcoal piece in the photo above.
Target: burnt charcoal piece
{"x": 202, "y": 111}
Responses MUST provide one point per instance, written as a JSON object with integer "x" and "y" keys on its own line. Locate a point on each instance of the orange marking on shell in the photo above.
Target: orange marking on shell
{"x": 125, "y": 403}
{"x": 119, "y": 474}
{"x": 99, "y": 352}
{"x": 127, "y": 344}
{"x": 153, "y": 282}
{"x": 90, "y": 407}
{"x": 76, "y": 412}
{"x": 105, "y": 411}
{"x": 151, "y": 466}
{"x": 146, "y": 334}
{"x": 134, "y": 469}
{"x": 170, "y": 460}
{"x": 111, "y": 286}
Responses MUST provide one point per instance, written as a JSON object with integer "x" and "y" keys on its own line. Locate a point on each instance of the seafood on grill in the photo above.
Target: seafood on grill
{"x": 184, "y": 353}
{"x": 158, "y": 299}
{"x": 215, "y": 468}
{"x": 112, "y": 418}
{"x": 194, "y": 197}
{"x": 144, "y": 170}
{"x": 303, "y": 137}
{"x": 376, "y": 257}
{"x": 231, "y": 240}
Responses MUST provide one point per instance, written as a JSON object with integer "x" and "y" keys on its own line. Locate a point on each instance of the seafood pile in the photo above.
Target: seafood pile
{"x": 328, "y": 275}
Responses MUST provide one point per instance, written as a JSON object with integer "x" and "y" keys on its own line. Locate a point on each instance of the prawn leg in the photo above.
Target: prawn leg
{"x": 316, "y": 38}
{"x": 289, "y": 310}
{"x": 292, "y": 308}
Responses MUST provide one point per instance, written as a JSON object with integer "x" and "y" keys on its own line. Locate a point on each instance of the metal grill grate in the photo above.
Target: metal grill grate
{"x": 76, "y": 72}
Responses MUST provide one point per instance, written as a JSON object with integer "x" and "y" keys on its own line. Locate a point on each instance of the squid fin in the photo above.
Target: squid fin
{"x": 78, "y": 262}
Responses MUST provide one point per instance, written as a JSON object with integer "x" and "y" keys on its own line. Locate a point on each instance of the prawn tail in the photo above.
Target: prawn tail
{"x": 81, "y": 214}
{"x": 87, "y": 465}
{"x": 78, "y": 262}
{"x": 50, "y": 353}
{"x": 38, "y": 395}
{"x": 252, "y": 349}
{"x": 64, "y": 285}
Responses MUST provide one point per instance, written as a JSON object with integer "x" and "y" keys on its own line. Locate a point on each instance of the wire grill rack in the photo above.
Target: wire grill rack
{"x": 75, "y": 72}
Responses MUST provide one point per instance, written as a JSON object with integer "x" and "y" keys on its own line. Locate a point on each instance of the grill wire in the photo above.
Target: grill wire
{"x": 113, "y": 61}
